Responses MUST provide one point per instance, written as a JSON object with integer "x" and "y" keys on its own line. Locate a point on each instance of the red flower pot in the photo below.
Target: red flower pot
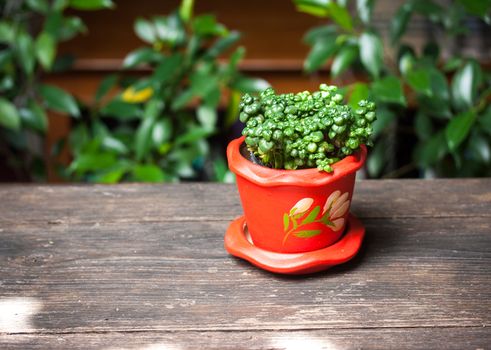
{"x": 293, "y": 211}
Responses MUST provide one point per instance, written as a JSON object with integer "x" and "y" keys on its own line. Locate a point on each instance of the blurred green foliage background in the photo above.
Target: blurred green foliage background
{"x": 168, "y": 125}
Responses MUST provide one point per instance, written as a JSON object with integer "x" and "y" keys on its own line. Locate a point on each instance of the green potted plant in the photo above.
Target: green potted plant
{"x": 295, "y": 168}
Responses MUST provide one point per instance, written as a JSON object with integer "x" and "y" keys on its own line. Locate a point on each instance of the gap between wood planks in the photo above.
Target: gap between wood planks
{"x": 239, "y": 330}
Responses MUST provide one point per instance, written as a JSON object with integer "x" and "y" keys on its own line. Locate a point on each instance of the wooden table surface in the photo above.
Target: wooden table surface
{"x": 143, "y": 267}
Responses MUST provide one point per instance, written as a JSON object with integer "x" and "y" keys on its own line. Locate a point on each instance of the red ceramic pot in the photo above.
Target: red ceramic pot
{"x": 293, "y": 211}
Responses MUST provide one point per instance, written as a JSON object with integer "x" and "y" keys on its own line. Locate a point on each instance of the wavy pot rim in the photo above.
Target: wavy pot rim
{"x": 268, "y": 177}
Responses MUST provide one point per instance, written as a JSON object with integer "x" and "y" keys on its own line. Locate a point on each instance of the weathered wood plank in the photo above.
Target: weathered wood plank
{"x": 338, "y": 339}
{"x": 23, "y": 205}
{"x": 173, "y": 276}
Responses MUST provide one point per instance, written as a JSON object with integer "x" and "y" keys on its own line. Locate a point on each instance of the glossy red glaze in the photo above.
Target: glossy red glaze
{"x": 237, "y": 244}
{"x": 268, "y": 194}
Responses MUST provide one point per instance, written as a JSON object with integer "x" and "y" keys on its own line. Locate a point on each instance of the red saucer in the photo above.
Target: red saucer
{"x": 239, "y": 244}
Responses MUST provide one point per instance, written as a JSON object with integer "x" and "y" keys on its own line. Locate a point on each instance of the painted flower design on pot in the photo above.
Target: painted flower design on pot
{"x": 335, "y": 207}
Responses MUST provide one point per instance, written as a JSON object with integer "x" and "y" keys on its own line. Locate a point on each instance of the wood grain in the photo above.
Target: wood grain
{"x": 135, "y": 266}
{"x": 335, "y": 339}
{"x": 197, "y": 201}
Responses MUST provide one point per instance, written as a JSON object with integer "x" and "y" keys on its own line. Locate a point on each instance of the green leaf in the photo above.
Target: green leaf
{"x": 112, "y": 175}
{"x": 167, "y": 68}
{"x": 458, "y": 129}
{"x": 385, "y": 117}
{"x": 465, "y": 84}
{"x": 113, "y": 144}
{"x": 59, "y": 100}
{"x": 40, "y": 6}
{"x": 438, "y": 105}
{"x": 340, "y": 15}
{"x": 106, "y": 85}
{"x": 91, "y": 4}
{"x": 143, "y": 140}
{"x": 9, "y": 117}
{"x": 170, "y": 29}
{"x": 423, "y": 126}
{"x": 313, "y": 7}
{"x": 485, "y": 120}
{"x": 206, "y": 25}
{"x": 320, "y": 33}
{"x": 186, "y": 10}
{"x": 203, "y": 82}
{"x": 320, "y": 52}
{"x": 153, "y": 109}
{"x": 439, "y": 85}
{"x": 34, "y": 117}
{"x": 452, "y": 64}
{"x": 477, "y": 7}
{"x": 162, "y": 132}
{"x": 194, "y": 134}
{"x": 235, "y": 58}
{"x": 406, "y": 63}
{"x": 183, "y": 99}
{"x": 286, "y": 222}
{"x": 371, "y": 53}
{"x": 376, "y": 160}
{"x": 7, "y": 32}
{"x": 307, "y": 233}
{"x": 59, "y": 5}
{"x": 435, "y": 107}
{"x": 121, "y": 110}
{"x": 6, "y": 58}
{"x": 232, "y": 108}
{"x": 431, "y": 151}
{"x": 246, "y": 84}
{"x": 207, "y": 117}
{"x": 346, "y": 56}
{"x": 45, "y": 50}
{"x": 25, "y": 52}
{"x": 145, "y": 30}
{"x": 312, "y": 216}
{"x": 365, "y": 8}
{"x": 388, "y": 89}
{"x": 212, "y": 98}
{"x": 420, "y": 80}
{"x": 399, "y": 23}
{"x": 429, "y": 9}
{"x": 6, "y": 83}
{"x": 69, "y": 28}
{"x": 480, "y": 147}
{"x": 92, "y": 162}
{"x": 359, "y": 92}
{"x": 221, "y": 45}
{"x": 148, "y": 173}
{"x": 139, "y": 56}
